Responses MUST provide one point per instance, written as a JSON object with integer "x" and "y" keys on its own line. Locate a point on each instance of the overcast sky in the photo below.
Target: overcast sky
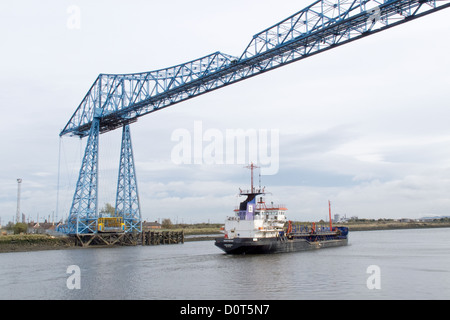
{"x": 364, "y": 125}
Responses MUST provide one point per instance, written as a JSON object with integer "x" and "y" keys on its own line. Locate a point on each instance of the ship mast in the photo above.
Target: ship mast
{"x": 251, "y": 167}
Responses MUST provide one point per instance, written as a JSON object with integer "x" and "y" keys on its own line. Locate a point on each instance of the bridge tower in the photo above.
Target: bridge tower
{"x": 84, "y": 210}
{"x": 127, "y": 198}
{"x": 83, "y": 217}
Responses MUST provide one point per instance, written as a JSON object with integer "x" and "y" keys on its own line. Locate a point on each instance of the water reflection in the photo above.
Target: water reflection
{"x": 415, "y": 264}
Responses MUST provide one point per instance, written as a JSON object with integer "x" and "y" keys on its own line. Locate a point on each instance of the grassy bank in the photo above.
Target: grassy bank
{"x": 32, "y": 242}
{"x": 358, "y": 225}
{"x": 392, "y": 225}
{"x": 196, "y": 231}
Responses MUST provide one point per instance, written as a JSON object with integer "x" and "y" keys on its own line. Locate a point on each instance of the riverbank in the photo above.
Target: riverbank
{"x": 391, "y": 225}
{"x": 35, "y": 242}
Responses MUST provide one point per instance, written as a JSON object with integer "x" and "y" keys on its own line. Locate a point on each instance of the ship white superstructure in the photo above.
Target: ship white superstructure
{"x": 255, "y": 220}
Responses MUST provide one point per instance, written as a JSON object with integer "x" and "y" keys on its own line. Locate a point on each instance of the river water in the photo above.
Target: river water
{"x": 390, "y": 264}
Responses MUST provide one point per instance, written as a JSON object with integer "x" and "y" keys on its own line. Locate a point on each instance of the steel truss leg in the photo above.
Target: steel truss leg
{"x": 83, "y": 213}
{"x": 127, "y": 199}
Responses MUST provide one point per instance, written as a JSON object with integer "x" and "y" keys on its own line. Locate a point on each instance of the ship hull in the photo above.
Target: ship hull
{"x": 274, "y": 245}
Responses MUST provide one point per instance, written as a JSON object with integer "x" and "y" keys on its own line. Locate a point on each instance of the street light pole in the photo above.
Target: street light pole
{"x": 19, "y": 183}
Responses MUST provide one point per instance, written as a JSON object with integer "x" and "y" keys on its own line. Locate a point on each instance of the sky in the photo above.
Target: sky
{"x": 364, "y": 125}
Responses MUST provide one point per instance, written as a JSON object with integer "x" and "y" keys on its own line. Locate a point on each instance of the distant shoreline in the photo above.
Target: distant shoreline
{"x": 391, "y": 225}
{"x": 31, "y": 242}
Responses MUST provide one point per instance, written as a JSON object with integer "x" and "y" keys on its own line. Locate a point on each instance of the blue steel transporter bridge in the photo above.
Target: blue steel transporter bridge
{"x": 117, "y": 100}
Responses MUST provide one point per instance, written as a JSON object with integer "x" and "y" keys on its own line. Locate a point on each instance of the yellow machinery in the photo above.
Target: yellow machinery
{"x": 111, "y": 224}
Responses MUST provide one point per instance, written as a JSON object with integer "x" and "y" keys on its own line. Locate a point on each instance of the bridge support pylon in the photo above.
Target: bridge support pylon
{"x": 127, "y": 199}
{"x": 83, "y": 217}
{"x": 84, "y": 210}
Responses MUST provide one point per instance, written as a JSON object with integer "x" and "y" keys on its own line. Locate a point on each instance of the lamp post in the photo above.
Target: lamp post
{"x": 19, "y": 183}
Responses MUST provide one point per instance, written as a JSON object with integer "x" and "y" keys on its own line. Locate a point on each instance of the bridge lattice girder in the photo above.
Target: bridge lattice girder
{"x": 123, "y": 98}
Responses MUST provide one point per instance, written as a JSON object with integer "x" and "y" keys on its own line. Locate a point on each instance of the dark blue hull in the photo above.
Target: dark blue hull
{"x": 291, "y": 243}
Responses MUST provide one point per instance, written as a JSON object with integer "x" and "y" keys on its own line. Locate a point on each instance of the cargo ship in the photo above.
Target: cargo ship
{"x": 257, "y": 227}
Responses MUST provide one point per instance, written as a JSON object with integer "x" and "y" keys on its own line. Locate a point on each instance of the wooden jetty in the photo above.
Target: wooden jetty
{"x": 107, "y": 239}
{"x": 150, "y": 238}
{"x": 145, "y": 238}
